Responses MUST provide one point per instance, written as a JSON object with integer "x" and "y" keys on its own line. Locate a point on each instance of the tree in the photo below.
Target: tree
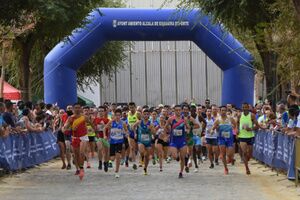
{"x": 249, "y": 20}
{"x": 50, "y": 22}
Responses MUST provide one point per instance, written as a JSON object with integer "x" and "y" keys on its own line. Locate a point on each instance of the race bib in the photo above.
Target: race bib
{"x": 145, "y": 138}
{"x": 226, "y": 134}
{"x": 116, "y": 134}
{"x": 177, "y": 132}
{"x": 100, "y": 127}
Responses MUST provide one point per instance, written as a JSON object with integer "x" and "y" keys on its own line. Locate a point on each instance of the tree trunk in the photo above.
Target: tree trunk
{"x": 297, "y": 8}
{"x": 269, "y": 59}
{"x": 25, "y": 45}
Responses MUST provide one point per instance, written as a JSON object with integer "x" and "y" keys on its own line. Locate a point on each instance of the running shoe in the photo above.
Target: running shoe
{"x": 204, "y": 158}
{"x": 226, "y": 171}
{"x": 100, "y": 165}
{"x": 64, "y": 166}
{"x": 141, "y": 163}
{"x": 81, "y": 174}
{"x": 153, "y": 161}
{"x": 180, "y": 175}
{"x": 110, "y": 164}
{"x": 77, "y": 172}
{"x": 160, "y": 169}
{"x": 145, "y": 172}
{"x": 216, "y": 162}
{"x": 196, "y": 170}
{"x": 122, "y": 162}
{"x": 134, "y": 166}
{"x": 117, "y": 175}
{"x": 105, "y": 166}
{"x": 248, "y": 171}
{"x": 187, "y": 169}
{"x": 88, "y": 165}
{"x": 69, "y": 167}
{"x": 126, "y": 164}
{"x": 168, "y": 159}
{"x": 211, "y": 166}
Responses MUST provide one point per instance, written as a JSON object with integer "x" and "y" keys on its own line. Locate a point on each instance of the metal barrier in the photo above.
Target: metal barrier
{"x": 297, "y": 160}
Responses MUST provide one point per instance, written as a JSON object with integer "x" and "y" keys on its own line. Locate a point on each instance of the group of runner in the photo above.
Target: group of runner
{"x": 137, "y": 135}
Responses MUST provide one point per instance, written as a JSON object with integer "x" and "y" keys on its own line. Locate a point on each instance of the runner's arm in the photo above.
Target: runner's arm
{"x": 106, "y": 128}
{"x": 204, "y": 124}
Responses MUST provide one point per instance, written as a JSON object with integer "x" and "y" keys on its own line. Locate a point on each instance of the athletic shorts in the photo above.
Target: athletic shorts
{"x": 228, "y": 142}
{"x": 126, "y": 143}
{"x": 91, "y": 138}
{"x": 147, "y": 145}
{"x": 131, "y": 134}
{"x": 115, "y": 148}
{"x": 163, "y": 143}
{"x": 76, "y": 141}
{"x": 212, "y": 141}
{"x": 178, "y": 143}
{"x": 68, "y": 138}
{"x": 249, "y": 141}
{"x": 197, "y": 140}
{"x": 60, "y": 136}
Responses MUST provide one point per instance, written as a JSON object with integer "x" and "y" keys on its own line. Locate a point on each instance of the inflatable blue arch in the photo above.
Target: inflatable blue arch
{"x": 127, "y": 24}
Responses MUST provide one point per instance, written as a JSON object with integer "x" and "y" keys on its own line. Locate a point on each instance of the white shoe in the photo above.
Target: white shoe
{"x": 196, "y": 170}
{"x": 117, "y": 175}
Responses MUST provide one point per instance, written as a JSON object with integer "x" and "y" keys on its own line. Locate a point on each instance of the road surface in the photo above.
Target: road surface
{"x": 48, "y": 181}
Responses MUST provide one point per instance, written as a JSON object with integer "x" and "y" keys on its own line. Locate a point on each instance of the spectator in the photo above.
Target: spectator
{"x": 262, "y": 120}
{"x": 8, "y": 115}
{"x": 28, "y": 124}
{"x": 282, "y": 116}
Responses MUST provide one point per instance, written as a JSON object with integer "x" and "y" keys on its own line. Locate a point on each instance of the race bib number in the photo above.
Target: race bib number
{"x": 100, "y": 127}
{"x": 226, "y": 134}
{"x": 177, "y": 132}
{"x": 116, "y": 134}
{"x": 145, "y": 138}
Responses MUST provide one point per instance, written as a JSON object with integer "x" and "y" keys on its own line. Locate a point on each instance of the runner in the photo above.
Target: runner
{"x": 177, "y": 125}
{"x": 155, "y": 123}
{"x": 211, "y": 138}
{"x": 189, "y": 136}
{"x": 224, "y": 126}
{"x": 162, "y": 141}
{"x": 247, "y": 123}
{"x": 80, "y": 139}
{"x": 102, "y": 145}
{"x": 87, "y": 112}
{"x": 132, "y": 119}
{"x": 197, "y": 133}
{"x": 118, "y": 130}
{"x": 126, "y": 149}
{"x": 145, "y": 132}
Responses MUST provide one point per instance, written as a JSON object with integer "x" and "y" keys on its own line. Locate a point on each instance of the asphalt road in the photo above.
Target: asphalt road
{"x": 48, "y": 181}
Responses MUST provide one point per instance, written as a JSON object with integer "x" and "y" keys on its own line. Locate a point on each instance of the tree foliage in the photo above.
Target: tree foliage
{"x": 266, "y": 27}
{"x": 47, "y": 22}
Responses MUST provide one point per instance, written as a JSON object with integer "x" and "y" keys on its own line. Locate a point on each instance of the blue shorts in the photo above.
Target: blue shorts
{"x": 228, "y": 142}
{"x": 197, "y": 140}
{"x": 131, "y": 134}
{"x": 212, "y": 141}
{"x": 147, "y": 145}
{"x": 178, "y": 143}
